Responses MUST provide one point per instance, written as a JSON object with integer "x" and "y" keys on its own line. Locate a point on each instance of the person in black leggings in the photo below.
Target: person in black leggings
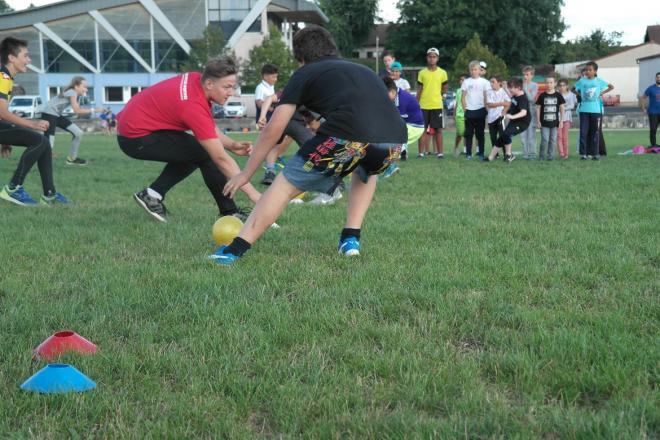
{"x": 17, "y": 131}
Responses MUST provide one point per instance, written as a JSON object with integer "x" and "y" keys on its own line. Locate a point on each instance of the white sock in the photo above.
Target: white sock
{"x": 154, "y": 194}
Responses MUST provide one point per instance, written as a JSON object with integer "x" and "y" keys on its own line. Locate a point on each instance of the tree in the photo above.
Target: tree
{"x": 475, "y": 50}
{"x": 4, "y": 6}
{"x": 516, "y": 30}
{"x": 350, "y": 23}
{"x": 588, "y": 47}
{"x": 212, "y": 45}
{"x": 272, "y": 50}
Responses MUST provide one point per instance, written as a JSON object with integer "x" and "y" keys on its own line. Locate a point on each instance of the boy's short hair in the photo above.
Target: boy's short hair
{"x": 551, "y": 76}
{"x": 217, "y": 68}
{"x": 562, "y": 81}
{"x": 528, "y": 69}
{"x": 657, "y": 73}
{"x": 497, "y": 78}
{"x": 463, "y": 75}
{"x": 388, "y": 53}
{"x": 313, "y": 42}
{"x": 592, "y": 64}
{"x": 268, "y": 69}
{"x": 10, "y": 46}
{"x": 389, "y": 83}
{"x": 474, "y": 63}
{"x": 515, "y": 82}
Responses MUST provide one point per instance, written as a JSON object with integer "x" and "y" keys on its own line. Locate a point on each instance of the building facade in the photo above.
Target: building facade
{"x": 123, "y": 46}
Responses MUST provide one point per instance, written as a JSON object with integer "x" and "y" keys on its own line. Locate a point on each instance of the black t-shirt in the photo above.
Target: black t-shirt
{"x": 350, "y": 97}
{"x": 519, "y": 103}
{"x": 549, "y": 109}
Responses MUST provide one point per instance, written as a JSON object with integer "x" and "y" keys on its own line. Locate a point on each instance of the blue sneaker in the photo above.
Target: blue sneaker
{"x": 17, "y": 196}
{"x": 391, "y": 170}
{"x": 221, "y": 258}
{"x": 56, "y": 199}
{"x": 349, "y": 246}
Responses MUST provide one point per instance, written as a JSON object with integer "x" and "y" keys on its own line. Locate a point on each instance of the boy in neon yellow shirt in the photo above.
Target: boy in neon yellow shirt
{"x": 430, "y": 82}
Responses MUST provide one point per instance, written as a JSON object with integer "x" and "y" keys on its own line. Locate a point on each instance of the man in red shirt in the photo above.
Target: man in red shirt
{"x": 153, "y": 126}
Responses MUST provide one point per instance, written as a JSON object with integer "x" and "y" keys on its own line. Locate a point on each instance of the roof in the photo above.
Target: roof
{"x": 644, "y": 47}
{"x": 380, "y": 31}
{"x": 652, "y": 33}
{"x": 651, "y": 57}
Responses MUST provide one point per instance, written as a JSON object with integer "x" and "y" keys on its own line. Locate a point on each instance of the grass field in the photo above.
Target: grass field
{"x": 490, "y": 301}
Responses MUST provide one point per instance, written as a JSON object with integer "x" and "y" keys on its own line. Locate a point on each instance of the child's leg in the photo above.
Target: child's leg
{"x": 479, "y": 132}
{"x": 545, "y": 139}
{"x": 424, "y": 142}
{"x": 552, "y": 142}
{"x": 439, "y": 147}
{"x": 77, "y": 133}
{"x": 268, "y": 208}
{"x": 561, "y": 140}
{"x": 584, "y": 133}
{"x": 359, "y": 200}
{"x": 469, "y": 132}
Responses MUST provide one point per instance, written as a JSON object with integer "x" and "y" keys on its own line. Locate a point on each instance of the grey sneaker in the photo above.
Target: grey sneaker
{"x": 242, "y": 214}
{"x": 269, "y": 176}
{"x": 152, "y": 205}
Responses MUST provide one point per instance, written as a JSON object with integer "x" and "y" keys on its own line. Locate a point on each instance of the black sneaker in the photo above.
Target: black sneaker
{"x": 508, "y": 158}
{"x": 242, "y": 214}
{"x": 152, "y": 205}
{"x": 76, "y": 161}
{"x": 583, "y": 158}
{"x": 404, "y": 155}
{"x": 595, "y": 158}
{"x": 269, "y": 176}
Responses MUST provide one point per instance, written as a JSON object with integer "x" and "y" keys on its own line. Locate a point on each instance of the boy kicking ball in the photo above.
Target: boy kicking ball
{"x": 518, "y": 118}
{"x": 362, "y": 134}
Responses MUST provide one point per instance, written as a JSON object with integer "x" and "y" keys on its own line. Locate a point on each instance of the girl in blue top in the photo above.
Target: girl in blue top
{"x": 590, "y": 88}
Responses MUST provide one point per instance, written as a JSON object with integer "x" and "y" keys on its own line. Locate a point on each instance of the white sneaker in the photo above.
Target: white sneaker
{"x": 326, "y": 199}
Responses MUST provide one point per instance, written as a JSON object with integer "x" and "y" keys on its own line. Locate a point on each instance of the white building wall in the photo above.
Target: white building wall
{"x": 625, "y": 81}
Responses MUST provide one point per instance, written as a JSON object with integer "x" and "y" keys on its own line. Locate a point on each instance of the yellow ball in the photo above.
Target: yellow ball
{"x": 225, "y": 229}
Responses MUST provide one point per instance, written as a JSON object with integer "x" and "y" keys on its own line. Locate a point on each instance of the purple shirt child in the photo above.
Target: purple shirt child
{"x": 409, "y": 108}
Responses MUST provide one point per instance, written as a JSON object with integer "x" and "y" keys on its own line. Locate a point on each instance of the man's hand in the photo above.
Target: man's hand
{"x": 40, "y": 125}
{"x": 5, "y": 150}
{"x": 241, "y": 148}
{"x": 234, "y": 184}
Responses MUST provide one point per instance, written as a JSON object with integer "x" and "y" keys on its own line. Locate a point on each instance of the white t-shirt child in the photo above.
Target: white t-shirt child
{"x": 473, "y": 90}
{"x": 495, "y": 96}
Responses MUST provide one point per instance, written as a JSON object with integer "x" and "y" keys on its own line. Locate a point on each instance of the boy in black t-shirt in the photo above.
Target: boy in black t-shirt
{"x": 549, "y": 111}
{"x": 362, "y": 134}
{"x": 518, "y": 117}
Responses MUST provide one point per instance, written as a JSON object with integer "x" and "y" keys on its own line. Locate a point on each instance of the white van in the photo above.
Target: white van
{"x": 26, "y": 106}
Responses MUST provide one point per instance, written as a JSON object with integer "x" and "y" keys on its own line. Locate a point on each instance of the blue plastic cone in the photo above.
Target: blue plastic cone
{"x": 58, "y": 378}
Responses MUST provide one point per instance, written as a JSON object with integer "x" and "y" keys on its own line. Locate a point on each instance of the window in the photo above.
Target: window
{"x": 114, "y": 94}
{"x": 53, "y": 91}
{"x": 119, "y": 94}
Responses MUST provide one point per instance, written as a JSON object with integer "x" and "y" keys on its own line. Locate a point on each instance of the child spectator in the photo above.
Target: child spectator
{"x": 591, "y": 88}
{"x": 549, "y": 111}
{"x": 395, "y": 73}
{"x": 518, "y": 118}
{"x": 459, "y": 116}
{"x": 429, "y": 95}
{"x": 388, "y": 59}
{"x": 412, "y": 115}
{"x": 570, "y": 101}
{"x": 474, "y": 106}
{"x": 266, "y": 89}
{"x": 528, "y": 138}
{"x": 497, "y": 103}
{"x": 109, "y": 120}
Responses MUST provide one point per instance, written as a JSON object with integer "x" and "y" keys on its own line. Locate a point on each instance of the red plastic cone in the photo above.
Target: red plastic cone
{"x": 63, "y": 341}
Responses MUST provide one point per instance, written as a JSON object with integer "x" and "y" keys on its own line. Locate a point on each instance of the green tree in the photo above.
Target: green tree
{"x": 475, "y": 50}
{"x": 350, "y": 23}
{"x": 272, "y": 50}
{"x": 518, "y": 31}
{"x": 4, "y": 6}
{"x": 212, "y": 44}
{"x": 587, "y": 47}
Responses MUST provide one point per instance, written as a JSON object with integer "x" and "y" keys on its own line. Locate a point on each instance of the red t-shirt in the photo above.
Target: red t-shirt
{"x": 174, "y": 104}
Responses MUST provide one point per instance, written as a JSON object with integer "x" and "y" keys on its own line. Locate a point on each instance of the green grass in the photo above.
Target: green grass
{"x": 489, "y": 302}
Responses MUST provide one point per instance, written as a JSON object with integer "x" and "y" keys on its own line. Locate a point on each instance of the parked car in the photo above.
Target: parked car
{"x": 235, "y": 110}
{"x": 26, "y": 106}
{"x": 218, "y": 111}
{"x": 83, "y": 101}
{"x": 449, "y": 102}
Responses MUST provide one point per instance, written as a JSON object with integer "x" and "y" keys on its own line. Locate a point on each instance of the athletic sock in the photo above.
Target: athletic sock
{"x": 237, "y": 247}
{"x": 348, "y": 232}
{"x": 12, "y": 187}
{"x": 154, "y": 194}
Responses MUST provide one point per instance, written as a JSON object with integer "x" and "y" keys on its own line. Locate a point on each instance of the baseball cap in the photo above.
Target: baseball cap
{"x": 483, "y": 64}
{"x": 396, "y": 66}
{"x": 433, "y": 50}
